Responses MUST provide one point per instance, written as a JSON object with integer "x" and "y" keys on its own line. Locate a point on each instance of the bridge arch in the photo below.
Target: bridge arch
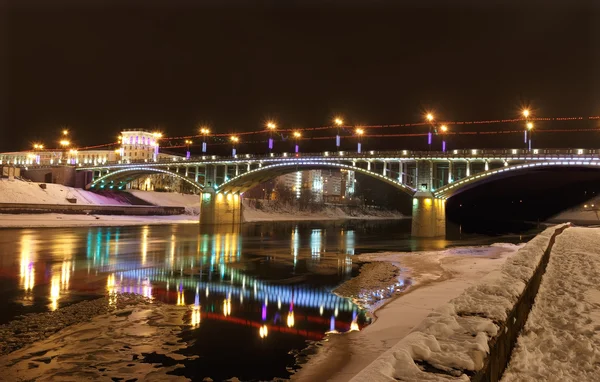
{"x": 130, "y": 173}
{"x": 249, "y": 179}
{"x": 472, "y": 181}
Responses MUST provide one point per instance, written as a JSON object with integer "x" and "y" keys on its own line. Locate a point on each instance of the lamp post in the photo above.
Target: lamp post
{"x": 188, "y": 142}
{"x": 271, "y": 126}
{"x": 157, "y": 135}
{"x": 204, "y": 132}
{"x": 429, "y": 117}
{"x": 36, "y": 147}
{"x": 443, "y": 129}
{"x": 297, "y": 136}
{"x": 359, "y": 134}
{"x": 338, "y": 122}
{"x": 530, "y": 129}
{"x": 525, "y": 113}
{"x": 234, "y": 141}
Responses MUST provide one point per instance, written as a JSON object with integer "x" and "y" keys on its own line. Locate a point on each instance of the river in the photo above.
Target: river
{"x": 263, "y": 290}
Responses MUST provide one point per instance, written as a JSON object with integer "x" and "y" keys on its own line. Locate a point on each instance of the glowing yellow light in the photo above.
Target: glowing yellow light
{"x": 64, "y": 142}
{"x": 188, "y": 142}
{"x": 227, "y": 307}
{"x": 263, "y": 331}
{"x": 229, "y": 197}
{"x": 196, "y": 316}
{"x": 180, "y": 298}
{"x": 354, "y": 326}
{"x": 204, "y": 130}
{"x": 297, "y": 134}
{"x": 526, "y": 113}
{"x": 157, "y": 135}
{"x": 444, "y": 128}
{"x": 529, "y": 125}
{"x": 54, "y": 291}
{"x": 428, "y": 201}
{"x": 271, "y": 125}
{"x": 585, "y": 206}
{"x": 65, "y": 132}
{"x": 219, "y": 197}
{"x": 27, "y": 269}
{"x": 233, "y": 138}
{"x": 429, "y": 117}
{"x": 360, "y": 131}
{"x": 338, "y": 121}
{"x": 290, "y": 319}
{"x": 117, "y": 151}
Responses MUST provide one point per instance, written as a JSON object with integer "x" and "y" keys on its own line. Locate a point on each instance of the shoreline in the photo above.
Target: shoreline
{"x": 53, "y": 220}
{"x": 431, "y": 278}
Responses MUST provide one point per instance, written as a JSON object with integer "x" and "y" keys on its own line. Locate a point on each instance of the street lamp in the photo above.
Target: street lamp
{"x": 338, "y": 122}
{"x": 204, "y": 132}
{"x": 187, "y": 144}
{"x": 525, "y": 113}
{"x": 64, "y": 143}
{"x": 430, "y": 119}
{"x": 38, "y": 146}
{"x": 271, "y": 126}
{"x": 157, "y": 135}
{"x": 234, "y": 140}
{"x": 359, "y": 134}
{"x": 297, "y": 136}
{"x": 444, "y": 129}
{"x": 530, "y": 129}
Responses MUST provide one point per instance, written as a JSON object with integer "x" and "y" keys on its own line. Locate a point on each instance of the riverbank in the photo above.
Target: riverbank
{"x": 425, "y": 281}
{"x": 71, "y": 220}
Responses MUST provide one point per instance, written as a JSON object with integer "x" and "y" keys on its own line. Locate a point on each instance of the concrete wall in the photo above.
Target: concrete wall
{"x": 22, "y": 208}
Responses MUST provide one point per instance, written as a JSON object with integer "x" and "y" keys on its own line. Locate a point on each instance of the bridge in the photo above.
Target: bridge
{"x": 430, "y": 177}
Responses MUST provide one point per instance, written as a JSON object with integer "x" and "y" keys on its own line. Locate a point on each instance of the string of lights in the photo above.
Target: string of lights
{"x": 224, "y": 138}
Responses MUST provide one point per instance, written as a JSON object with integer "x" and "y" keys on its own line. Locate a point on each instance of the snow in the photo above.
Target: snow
{"x": 112, "y": 346}
{"x": 19, "y": 191}
{"x": 271, "y": 212}
{"x": 433, "y": 278}
{"x": 170, "y": 199}
{"x": 560, "y": 340}
{"x": 72, "y": 220}
{"x": 454, "y": 338}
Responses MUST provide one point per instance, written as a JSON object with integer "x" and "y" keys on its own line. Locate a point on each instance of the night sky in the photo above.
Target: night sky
{"x": 100, "y": 68}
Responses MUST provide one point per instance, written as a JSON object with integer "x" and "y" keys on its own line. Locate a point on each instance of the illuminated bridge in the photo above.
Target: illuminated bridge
{"x": 430, "y": 177}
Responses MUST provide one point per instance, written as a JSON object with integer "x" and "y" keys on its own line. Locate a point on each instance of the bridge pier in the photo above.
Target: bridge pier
{"x": 218, "y": 208}
{"x": 428, "y": 215}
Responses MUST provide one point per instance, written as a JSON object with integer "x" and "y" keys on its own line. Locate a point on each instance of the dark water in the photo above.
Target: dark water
{"x": 262, "y": 290}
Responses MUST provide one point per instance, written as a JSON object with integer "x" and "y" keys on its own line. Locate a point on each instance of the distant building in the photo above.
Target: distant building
{"x": 328, "y": 185}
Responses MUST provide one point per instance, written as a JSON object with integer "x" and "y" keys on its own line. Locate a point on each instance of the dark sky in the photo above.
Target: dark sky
{"x": 100, "y": 67}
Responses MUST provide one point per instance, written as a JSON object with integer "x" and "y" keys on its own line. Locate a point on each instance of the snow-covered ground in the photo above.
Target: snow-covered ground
{"x": 170, "y": 199}
{"x": 19, "y": 191}
{"x": 291, "y": 213}
{"x": 435, "y": 277}
{"x": 561, "y": 339}
{"x": 72, "y": 220}
{"x": 452, "y": 337}
{"x": 122, "y": 344}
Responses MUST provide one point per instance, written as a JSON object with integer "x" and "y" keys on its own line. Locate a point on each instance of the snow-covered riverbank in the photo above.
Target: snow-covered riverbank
{"x": 72, "y": 220}
{"x": 560, "y": 340}
{"x": 435, "y": 278}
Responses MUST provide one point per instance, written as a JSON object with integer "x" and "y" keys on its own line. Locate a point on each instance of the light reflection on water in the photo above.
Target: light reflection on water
{"x": 273, "y": 286}
{"x": 265, "y": 287}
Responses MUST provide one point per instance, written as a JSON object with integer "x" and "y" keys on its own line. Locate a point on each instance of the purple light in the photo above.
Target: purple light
{"x": 233, "y": 152}
{"x": 332, "y": 324}
{"x": 429, "y": 138}
{"x": 444, "y": 146}
{"x": 297, "y": 148}
{"x": 530, "y": 144}
{"x": 525, "y": 136}
{"x": 359, "y": 149}
{"x": 264, "y": 312}
{"x": 337, "y": 140}
{"x": 203, "y": 147}
{"x": 270, "y": 143}
{"x": 187, "y": 155}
